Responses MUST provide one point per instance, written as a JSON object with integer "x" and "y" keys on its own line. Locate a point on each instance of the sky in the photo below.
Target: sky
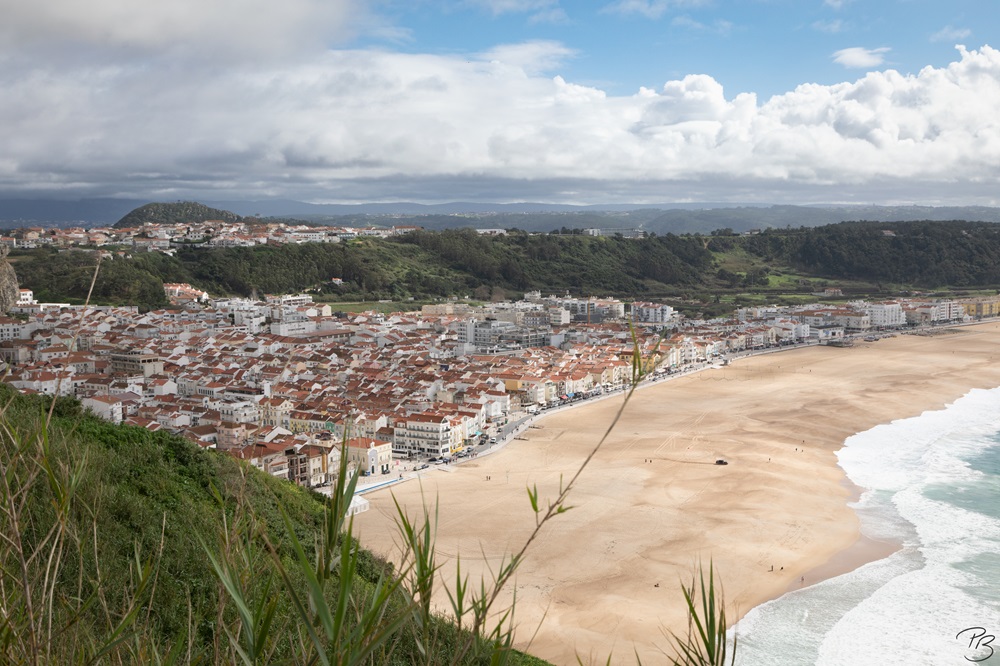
{"x": 582, "y": 102}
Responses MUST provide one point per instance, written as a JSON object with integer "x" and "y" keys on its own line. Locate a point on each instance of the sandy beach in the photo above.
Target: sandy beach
{"x": 606, "y": 574}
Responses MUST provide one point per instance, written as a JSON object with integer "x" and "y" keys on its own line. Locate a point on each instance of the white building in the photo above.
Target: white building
{"x": 370, "y": 456}
{"x": 483, "y": 335}
{"x": 558, "y": 316}
{"x": 423, "y": 434}
{"x": 289, "y": 300}
{"x": 791, "y": 330}
{"x": 303, "y": 326}
{"x": 595, "y": 308}
{"x": 651, "y": 313}
{"x": 10, "y": 329}
{"x": 107, "y": 407}
{"x": 886, "y": 315}
{"x": 26, "y": 297}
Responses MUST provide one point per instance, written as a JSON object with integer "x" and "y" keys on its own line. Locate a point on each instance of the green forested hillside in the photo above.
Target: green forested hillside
{"x": 920, "y": 254}
{"x": 581, "y": 264}
{"x": 58, "y": 276}
{"x": 924, "y": 254}
{"x": 419, "y": 265}
{"x": 429, "y": 265}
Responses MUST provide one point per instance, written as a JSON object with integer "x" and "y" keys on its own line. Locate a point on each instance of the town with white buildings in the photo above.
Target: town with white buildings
{"x": 283, "y": 381}
{"x": 152, "y": 237}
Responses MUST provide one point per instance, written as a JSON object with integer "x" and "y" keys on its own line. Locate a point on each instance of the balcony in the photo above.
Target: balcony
{"x": 430, "y": 438}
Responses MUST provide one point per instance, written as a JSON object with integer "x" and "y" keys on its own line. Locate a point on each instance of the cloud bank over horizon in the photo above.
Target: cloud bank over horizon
{"x": 268, "y": 109}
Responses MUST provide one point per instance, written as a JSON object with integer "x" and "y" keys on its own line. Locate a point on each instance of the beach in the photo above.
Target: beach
{"x": 652, "y": 503}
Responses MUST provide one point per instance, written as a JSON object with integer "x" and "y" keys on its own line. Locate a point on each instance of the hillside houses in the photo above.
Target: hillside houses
{"x": 152, "y": 237}
{"x": 421, "y": 385}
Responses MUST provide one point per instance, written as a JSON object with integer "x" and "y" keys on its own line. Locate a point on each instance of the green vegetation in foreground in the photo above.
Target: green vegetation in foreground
{"x": 121, "y": 522}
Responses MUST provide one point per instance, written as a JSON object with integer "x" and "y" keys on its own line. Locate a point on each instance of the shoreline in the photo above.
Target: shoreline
{"x": 595, "y": 572}
{"x": 862, "y": 551}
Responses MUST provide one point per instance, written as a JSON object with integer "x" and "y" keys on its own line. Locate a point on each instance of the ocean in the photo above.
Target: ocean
{"x": 932, "y": 484}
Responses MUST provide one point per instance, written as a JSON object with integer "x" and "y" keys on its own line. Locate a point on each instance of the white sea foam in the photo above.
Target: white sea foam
{"x": 922, "y": 491}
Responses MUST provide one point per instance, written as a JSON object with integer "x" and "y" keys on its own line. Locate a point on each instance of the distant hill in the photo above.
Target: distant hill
{"x": 181, "y": 212}
{"x": 660, "y": 218}
{"x": 746, "y": 218}
{"x": 290, "y": 208}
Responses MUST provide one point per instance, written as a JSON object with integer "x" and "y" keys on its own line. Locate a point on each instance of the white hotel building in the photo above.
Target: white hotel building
{"x": 886, "y": 315}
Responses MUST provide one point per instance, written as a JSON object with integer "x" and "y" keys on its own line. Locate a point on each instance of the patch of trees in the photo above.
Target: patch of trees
{"x": 66, "y": 276}
{"x": 582, "y": 264}
{"x": 925, "y": 254}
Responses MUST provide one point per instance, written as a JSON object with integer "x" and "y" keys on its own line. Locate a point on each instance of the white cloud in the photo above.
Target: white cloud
{"x": 832, "y": 27}
{"x": 651, "y": 8}
{"x": 368, "y": 124}
{"x": 222, "y": 28}
{"x": 391, "y": 33}
{"x": 554, "y": 15}
{"x": 836, "y": 4}
{"x": 858, "y": 57}
{"x": 498, "y": 7}
{"x": 531, "y": 57}
{"x": 720, "y": 26}
{"x": 950, "y": 34}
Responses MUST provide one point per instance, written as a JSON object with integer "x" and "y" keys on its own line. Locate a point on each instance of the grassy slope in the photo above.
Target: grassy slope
{"x": 161, "y": 497}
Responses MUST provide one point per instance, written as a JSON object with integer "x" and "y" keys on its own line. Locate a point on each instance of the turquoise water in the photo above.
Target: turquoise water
{"x": 932, "y": 483}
